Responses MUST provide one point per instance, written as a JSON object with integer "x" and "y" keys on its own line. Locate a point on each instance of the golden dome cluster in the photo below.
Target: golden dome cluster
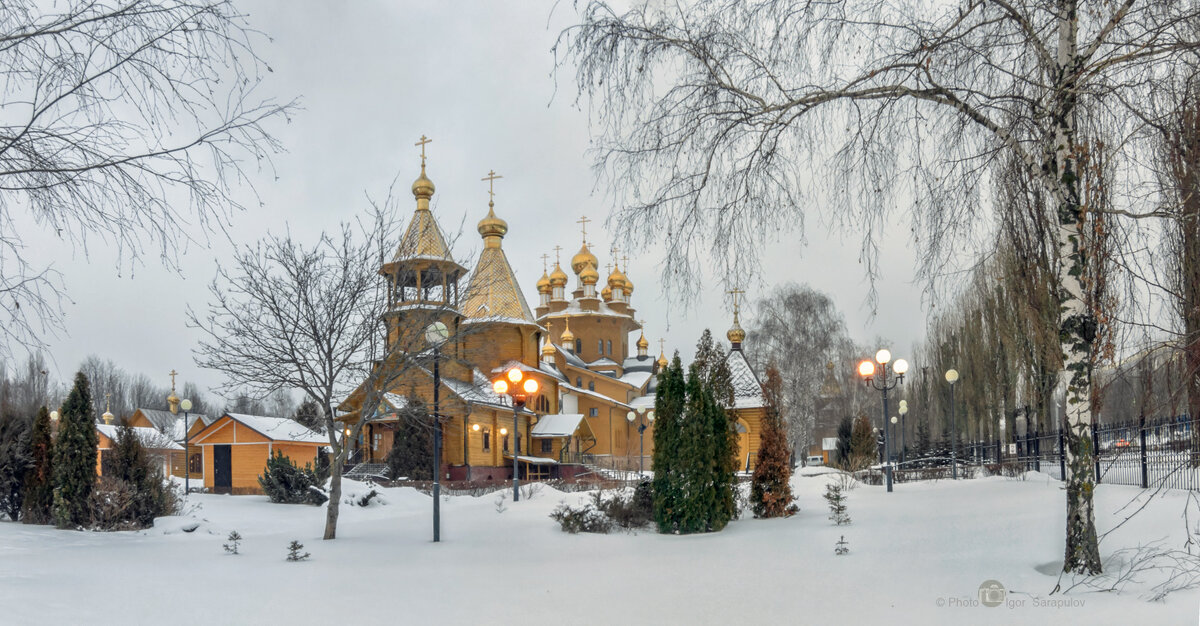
{"x": 581, "y": 260}
{"x": 589, "y": 275}
{"x": 558, "y": 278}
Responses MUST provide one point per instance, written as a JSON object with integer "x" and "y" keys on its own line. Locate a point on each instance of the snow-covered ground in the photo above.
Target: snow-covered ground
{"x": 918, "y": 555}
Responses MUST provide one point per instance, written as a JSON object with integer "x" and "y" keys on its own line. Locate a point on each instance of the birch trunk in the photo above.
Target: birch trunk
{"x": 1077, "y": 325}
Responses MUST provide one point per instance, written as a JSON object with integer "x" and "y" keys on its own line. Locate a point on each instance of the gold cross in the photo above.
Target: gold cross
{"x": 584, "y": 221}
{"x": 557, "y": 249}
{"x": 424, "y": 140}
{"x": 491, "y": 178}
{"x": 106, "y": 403}
{"x": 173, "y": 374}
{"x": 545, "y": 257}
{"x": 642, "y": 322}
{"x": 736, "y": 301}
{"x": 613, "y": 250}
{"x": 661, "y": 348}
{"x": 625, "y": 262}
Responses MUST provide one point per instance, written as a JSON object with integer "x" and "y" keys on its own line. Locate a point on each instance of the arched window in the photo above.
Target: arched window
{"x": 579, "y": 382}
{"x": 579, "y": 347}
{"x": 487, "y": 439}
{"x": 591, "y": 385}
{"x": 610, "y": 347}
{"x": 599, "y": 346}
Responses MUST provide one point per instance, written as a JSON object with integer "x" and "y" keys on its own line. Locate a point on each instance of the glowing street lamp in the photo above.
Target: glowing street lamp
{"x": 517, "y": 386}
{"x": 881, "y": 381}
{"x": 903, "y": 414}
{"x": 186, "y": 405}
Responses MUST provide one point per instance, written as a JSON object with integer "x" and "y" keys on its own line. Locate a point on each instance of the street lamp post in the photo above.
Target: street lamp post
{"x": 879, "y": 380}
{"x": 517, "y": 386}
{"x": 952, "y": 377}
{"x": 436, "y": 334}
{"x": 645, "y": 415}
{"x": 186, "y": 405}
{"x": 903, "y": 415}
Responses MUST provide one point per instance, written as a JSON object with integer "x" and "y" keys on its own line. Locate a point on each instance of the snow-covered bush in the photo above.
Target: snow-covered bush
{"x": 586, "y": 518}
{"x": 602, "y": 514}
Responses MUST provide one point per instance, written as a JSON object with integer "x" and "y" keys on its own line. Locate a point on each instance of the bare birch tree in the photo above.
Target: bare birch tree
{"x": 127, "y": 121}
{"x": 711, "y": 112}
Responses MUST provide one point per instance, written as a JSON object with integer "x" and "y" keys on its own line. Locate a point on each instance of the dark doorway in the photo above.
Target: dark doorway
{"x": 222, "y": 469}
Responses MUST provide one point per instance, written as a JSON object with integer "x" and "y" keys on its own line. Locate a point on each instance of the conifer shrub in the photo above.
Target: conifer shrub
{"x": 75, "y": 457}
{"x": 582, "y": 519}
{"x": 294, "y": 551}
{"x": 16, "y": 458}
{"x": 771, "y": 490}
{"x": 285, "y": 482}
{"x": 841, "y": 548}
{"x": 111, "y": 505}
{"x": 39, "y": 479}
{"x": 132, "y": 464}
{"x": 603, "y": 514}
{"x": 235, "y": 540}
{"x": 836, "y": 497}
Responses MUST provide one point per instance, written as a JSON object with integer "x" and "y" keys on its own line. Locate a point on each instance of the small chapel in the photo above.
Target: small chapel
{"x": 582, "y": 343}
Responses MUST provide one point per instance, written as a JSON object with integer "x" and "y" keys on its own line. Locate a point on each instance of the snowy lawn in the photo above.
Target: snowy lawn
{"x": 917, "y": 555}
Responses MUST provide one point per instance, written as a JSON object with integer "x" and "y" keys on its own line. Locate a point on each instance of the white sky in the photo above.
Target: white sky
{"x": 476, "y": 78}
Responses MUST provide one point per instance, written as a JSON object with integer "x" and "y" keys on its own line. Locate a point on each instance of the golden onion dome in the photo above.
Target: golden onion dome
{"x": 662, "y": 360}
{"x": 589, "y": 275}
{"x": 543, "y": 283}
{"x": 548, "y": 349}
{"x": 616, "y": 280}
{"x": 736, "y": 334}
{"x": 567, "y": 337}
{"x": 492, "y": 226}
{"x": 628, "y": 286}
{"x": 107, "y": 417}
{"x": 606, "y": 293}
{"x": 422, "y": 187}
{"x": 582, "y": 258}
{"x": 558, "y": 278}
{"x": 642, "y": 344}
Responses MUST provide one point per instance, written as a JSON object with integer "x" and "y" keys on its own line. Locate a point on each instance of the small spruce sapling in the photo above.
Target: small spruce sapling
{"x": 841, "y": 548}
{"x": 837, "y": 503}
{"x": 294, "y": 549}
{"x": 234, "y": 540}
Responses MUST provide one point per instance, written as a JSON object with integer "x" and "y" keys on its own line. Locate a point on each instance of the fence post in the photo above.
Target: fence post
{"x": 1145, "y": 469}
{"x": 1062, "y": 453}
{"x": 1096, "y": 449}
{"x": 999, "y": 459}
{"x": 1037, "y": 451}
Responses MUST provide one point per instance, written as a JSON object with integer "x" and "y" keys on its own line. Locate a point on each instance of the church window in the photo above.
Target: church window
{"x": 591, "y": 385}
{"x": 546, "y": 446}
{"x": 375, "y": 439}
{"x": 487, "y": 439}
{"x": 579, "y": 382}
{"x": 599, "y": 346}
{"x": 610, "y": 347}
{"x": 593, "y": 412}
{"x": 579, "y": 347}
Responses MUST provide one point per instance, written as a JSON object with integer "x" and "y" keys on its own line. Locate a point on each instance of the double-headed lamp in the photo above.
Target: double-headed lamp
{"x": 903, "y": 407}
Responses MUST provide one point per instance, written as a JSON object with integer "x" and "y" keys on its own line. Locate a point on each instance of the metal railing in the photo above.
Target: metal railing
{"x": 1158, "y": 453}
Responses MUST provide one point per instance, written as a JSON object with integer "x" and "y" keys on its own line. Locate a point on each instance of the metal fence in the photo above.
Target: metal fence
{"x": 1159, "y": 453}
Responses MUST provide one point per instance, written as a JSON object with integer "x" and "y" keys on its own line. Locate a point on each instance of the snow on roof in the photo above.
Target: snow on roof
{"x": 643, "y": 402}
{"x": 396, "y": 401}
{"x": 149, "y": 437}
{"x": 637, "y": 379}
{"x": 480, "y": 392}
{"x": 569, "y": 355}
{"x": 573, "y": 389}
{"x": 551, "y": 370}
{"x": 559, "y": 425}
{"x": 747, "y": 391}
{"x": 280, "y": 428}
{"x": 639, "y": 363}
{"x": 604, "y": 361}
{"x": 536, "y": 460}
{"x": 574, "y": 309}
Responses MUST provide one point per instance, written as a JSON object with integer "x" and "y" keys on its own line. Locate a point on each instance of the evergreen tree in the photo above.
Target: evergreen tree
{"x": 924, "y": 442}
{"x": 39, "y": 482}
{"x": 771, "y": 490}
{"x": 75, "y": 457}
{"x": 842, "y": 454}
{"x": 863, "y": 448}
{"x": 16, "y": 457}
{"x": 287, "y": 483}
{"x": 309, "y": 415}
{"x": 411, "y": 455}
{"x": 708, "y": 501}
{"x": 668, "y": 416}
{"x": 132, "y": 464}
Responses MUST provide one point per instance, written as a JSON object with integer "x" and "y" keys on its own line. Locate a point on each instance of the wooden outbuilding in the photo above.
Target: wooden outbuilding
{"x": 236, "y": 447}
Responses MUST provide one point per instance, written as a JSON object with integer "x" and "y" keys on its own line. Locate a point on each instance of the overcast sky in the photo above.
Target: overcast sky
{"x": 476, "y": 77}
